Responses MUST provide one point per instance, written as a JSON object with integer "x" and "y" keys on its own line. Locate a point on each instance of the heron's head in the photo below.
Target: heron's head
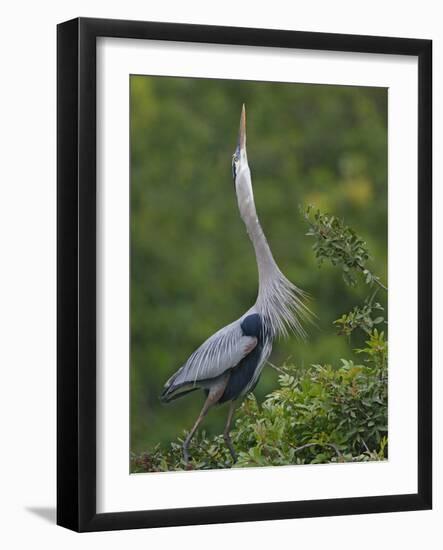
{"x": 239, "y": 158}
{"x": 240, "y": 169}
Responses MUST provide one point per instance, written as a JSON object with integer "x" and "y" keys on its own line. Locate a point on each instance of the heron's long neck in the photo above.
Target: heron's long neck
{"x": 279, "y": 301}
{"x": 267, "y": 267}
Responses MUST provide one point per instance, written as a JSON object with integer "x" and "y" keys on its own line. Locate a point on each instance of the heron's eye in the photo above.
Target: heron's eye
{"x": 235, "y": 162}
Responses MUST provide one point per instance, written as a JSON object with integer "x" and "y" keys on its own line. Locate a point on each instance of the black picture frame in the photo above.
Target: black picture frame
{"x": 76, "y": 273}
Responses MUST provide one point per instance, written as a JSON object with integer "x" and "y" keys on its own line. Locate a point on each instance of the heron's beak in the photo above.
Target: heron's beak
{"x": 241, "y": 143}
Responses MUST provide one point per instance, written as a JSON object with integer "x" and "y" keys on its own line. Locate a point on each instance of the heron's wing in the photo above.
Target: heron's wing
{"x": 219, "y": 353}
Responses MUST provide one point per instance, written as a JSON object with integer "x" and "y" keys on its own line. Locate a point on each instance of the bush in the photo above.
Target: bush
{"x": 319, "y": 414}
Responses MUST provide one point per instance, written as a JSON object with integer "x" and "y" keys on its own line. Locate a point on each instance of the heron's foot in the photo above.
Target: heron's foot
{"x": 230, "y": 446}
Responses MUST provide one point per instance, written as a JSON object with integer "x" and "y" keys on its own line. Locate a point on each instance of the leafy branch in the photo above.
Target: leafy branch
{"x": 338, "y": 243}
{"x": 361, "y": 317}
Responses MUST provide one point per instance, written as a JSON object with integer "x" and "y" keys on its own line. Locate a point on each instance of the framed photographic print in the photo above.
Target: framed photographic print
{"x": 244, "y": 274}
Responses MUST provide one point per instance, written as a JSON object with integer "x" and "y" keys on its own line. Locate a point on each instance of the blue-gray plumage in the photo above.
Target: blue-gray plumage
{"x": 242, "y": 374}
{"x": 252, "y": 325}
{"x": 227, "y": 366}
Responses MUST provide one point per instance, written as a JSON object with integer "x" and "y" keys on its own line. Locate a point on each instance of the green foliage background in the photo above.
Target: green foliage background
{"x": 192, "y": 265}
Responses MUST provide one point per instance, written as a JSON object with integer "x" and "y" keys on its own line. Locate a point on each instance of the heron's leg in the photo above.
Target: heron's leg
{"x": 226, "y": 433}
{"x": 214, "y": 395}
{"x": 200, "y": 418}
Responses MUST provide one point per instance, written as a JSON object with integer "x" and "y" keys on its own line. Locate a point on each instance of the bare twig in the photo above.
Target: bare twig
{"x": 381, "y": 284}
{"x": 375, "y": 279}
{"x": 275, "y": 367}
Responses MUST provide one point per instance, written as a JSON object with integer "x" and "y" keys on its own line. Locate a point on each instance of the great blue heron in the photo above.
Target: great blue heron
{"x": 227, "y": 366}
